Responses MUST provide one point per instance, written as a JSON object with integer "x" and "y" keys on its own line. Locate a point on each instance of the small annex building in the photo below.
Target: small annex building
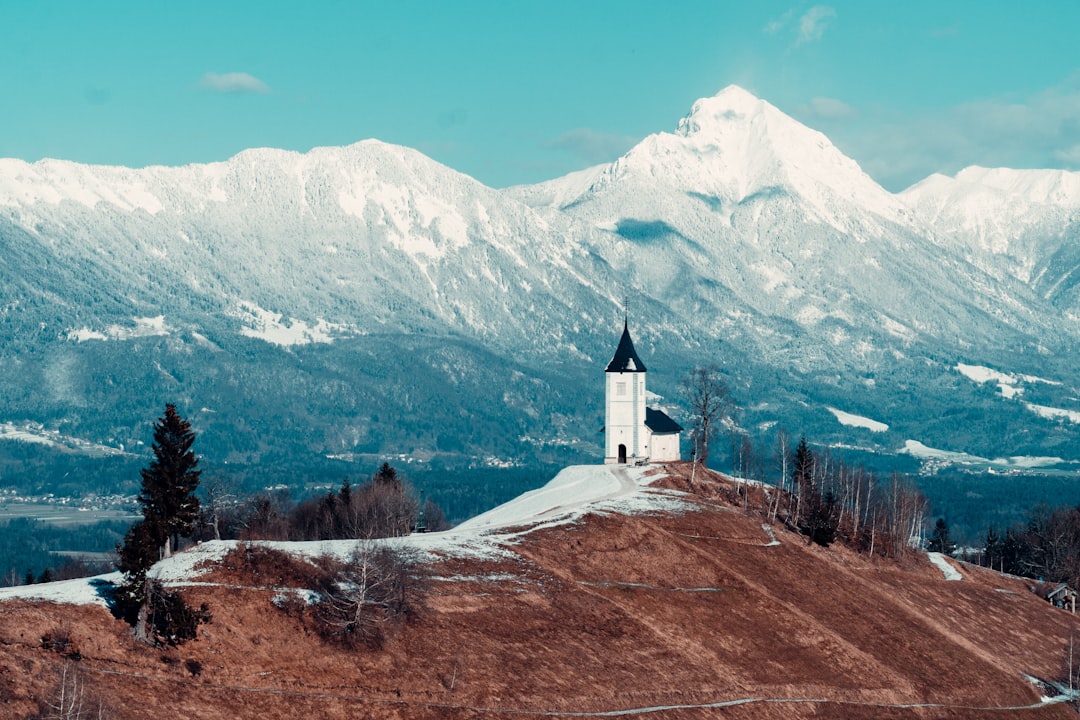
{"x": 634, "y": 433}
{"x": 1062, "y": 596}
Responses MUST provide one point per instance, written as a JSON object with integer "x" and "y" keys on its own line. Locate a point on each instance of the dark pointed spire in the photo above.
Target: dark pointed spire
{"x": 626, "y": 358}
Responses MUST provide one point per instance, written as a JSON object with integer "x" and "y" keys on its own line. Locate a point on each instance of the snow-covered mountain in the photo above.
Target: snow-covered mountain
{"x": 367, "y": 300}
{"x": 1022, "y": 223}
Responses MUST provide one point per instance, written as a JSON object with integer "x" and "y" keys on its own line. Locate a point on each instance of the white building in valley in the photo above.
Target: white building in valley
{"x": 634, "y": 433}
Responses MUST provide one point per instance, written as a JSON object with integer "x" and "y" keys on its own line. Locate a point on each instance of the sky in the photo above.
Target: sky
{"x": 513, "y": 92}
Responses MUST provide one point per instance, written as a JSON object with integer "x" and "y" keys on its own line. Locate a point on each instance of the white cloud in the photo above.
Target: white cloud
{"x": 236, "y": 83}
{"x": 827, "y": 108}
{"x": 591, "y": 145}
{"x": 809, "y": 26}
{"x": 778, "y": 24}
{"x": 1069, "y": 157}
{"x": 813, "y": 23}
{"x": 1040, "y": 131}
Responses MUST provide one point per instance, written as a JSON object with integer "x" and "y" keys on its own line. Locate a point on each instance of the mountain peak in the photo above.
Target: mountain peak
{"x": 732, "y": 104}
{"x": 734, "y": 146}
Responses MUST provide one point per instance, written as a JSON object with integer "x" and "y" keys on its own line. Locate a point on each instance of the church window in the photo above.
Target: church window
{"x": 620, "y": 388}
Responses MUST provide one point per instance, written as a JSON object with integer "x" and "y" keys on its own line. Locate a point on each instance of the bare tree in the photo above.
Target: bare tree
{"x": 70, "y": 700}
{"x": 371, "y": 589}
{"x": 220, "y": 499}
{"x": 709, "y": 402}
{"x": 780, "y": 457}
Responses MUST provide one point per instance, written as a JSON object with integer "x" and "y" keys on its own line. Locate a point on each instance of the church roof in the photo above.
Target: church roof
{"x": 659, "y": 422}
{"x": 626, "y": 358}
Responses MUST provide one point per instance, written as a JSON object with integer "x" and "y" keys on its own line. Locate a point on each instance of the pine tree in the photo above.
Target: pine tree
{"x": 992, "y": 549}
{"x": 170, "y": 509}
{"x": 169, "y": 483}
{"x": 940, "y": 541}
{"x": 387, "y": 476}
{"x": 802, "y": 469}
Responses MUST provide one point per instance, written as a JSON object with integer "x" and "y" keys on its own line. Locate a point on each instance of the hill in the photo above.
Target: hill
{"x": 609, "y": 592}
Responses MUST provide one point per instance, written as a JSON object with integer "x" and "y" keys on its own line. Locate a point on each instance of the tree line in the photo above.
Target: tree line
{"x": 1045, "y": 546}
{"x": 828, "y": 500}
{"x": 385, "y": 506}
{"x": 820, "y": 495}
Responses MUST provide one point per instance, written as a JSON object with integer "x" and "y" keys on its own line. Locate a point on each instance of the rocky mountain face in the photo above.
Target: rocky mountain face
{"x": 366, "y": 301}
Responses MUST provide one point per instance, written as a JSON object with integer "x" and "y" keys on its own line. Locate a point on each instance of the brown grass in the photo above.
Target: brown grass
{"x": 611, "y": 613}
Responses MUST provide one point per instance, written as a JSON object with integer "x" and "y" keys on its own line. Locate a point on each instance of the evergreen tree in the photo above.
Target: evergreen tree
{"x": 802, "y": 469}
{"x": 170, "y": 507}
{"x": 387, "y": 476}
{"x": 992, "y": 550}
{"x": 940, "y": 541}
{"x": 822, "y": 518}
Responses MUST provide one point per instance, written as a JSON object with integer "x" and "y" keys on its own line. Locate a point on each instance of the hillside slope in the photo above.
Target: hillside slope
{"x": 589, "y": 597}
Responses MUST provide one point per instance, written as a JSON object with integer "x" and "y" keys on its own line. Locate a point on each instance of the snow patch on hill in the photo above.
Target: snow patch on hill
{"x": 276, "y": 329}
{"x": 1009, "y": 384}
{"x": 144, "y": 327}
{"x": 39, "y": 435}
{"x": 935, "y": 458}
{"x": 1052, "y": 413}
{"x": 942, "y": 564}
{"x": 573, "y": 492}
{"x": 859, "y": 421}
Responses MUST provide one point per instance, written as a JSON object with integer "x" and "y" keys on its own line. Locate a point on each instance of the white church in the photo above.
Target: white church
{"x": 634, "y": 433}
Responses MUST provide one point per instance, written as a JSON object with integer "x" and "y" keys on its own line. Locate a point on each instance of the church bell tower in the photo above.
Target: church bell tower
{"x": 625, "y": 435}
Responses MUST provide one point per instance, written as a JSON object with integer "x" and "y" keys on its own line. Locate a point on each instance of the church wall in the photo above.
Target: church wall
{"x": 664, "y": 448}
{"x": 624, "y": 415}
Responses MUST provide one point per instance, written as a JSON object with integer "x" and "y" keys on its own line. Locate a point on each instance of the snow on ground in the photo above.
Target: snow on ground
{"x": 946, "y": 568}
{"x": 567, "y": 497}
{"x": 934, "y": 455}
{"x": 925, "y": 452}
{"x": 81, "y": 591}
{"x": 36, "y": 433}
{"x": 1008, "y": 383}
{"x": 274, "y": 328}
{"x": 1054, "y": 413}
{"x": 850, "y": 420}
{"x": 144, "y": 327}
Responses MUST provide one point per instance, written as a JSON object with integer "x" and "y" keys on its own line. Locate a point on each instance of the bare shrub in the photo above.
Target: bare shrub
{"x": 354, "y": 601}
{"x": 270, "y": 567}
{"x": 265, "y": 518}
{"x": 80, "y": 567}
{"x": 59, "y": 641}
{"x": 70, "y": 699}
{"x": 373, "y": 589}
{"x": 165, "y": 618}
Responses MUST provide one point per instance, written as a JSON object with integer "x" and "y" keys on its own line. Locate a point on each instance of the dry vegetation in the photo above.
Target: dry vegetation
{"x": 612, "y": 613}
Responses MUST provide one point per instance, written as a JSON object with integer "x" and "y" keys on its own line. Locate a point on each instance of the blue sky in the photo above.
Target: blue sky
{"x": 518, "y": 92}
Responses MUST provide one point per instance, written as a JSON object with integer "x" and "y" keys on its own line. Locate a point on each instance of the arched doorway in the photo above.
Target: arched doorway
{"x": 622, "y": 454}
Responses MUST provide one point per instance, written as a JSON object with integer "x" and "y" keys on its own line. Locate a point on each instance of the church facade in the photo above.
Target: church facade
{"x": 634, "y": 433}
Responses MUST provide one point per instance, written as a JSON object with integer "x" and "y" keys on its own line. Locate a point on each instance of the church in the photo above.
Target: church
{"x": 634, "y": 433}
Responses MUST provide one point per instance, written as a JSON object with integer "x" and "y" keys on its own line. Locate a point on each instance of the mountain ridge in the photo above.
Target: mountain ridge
{"x": 287, "y": 271}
